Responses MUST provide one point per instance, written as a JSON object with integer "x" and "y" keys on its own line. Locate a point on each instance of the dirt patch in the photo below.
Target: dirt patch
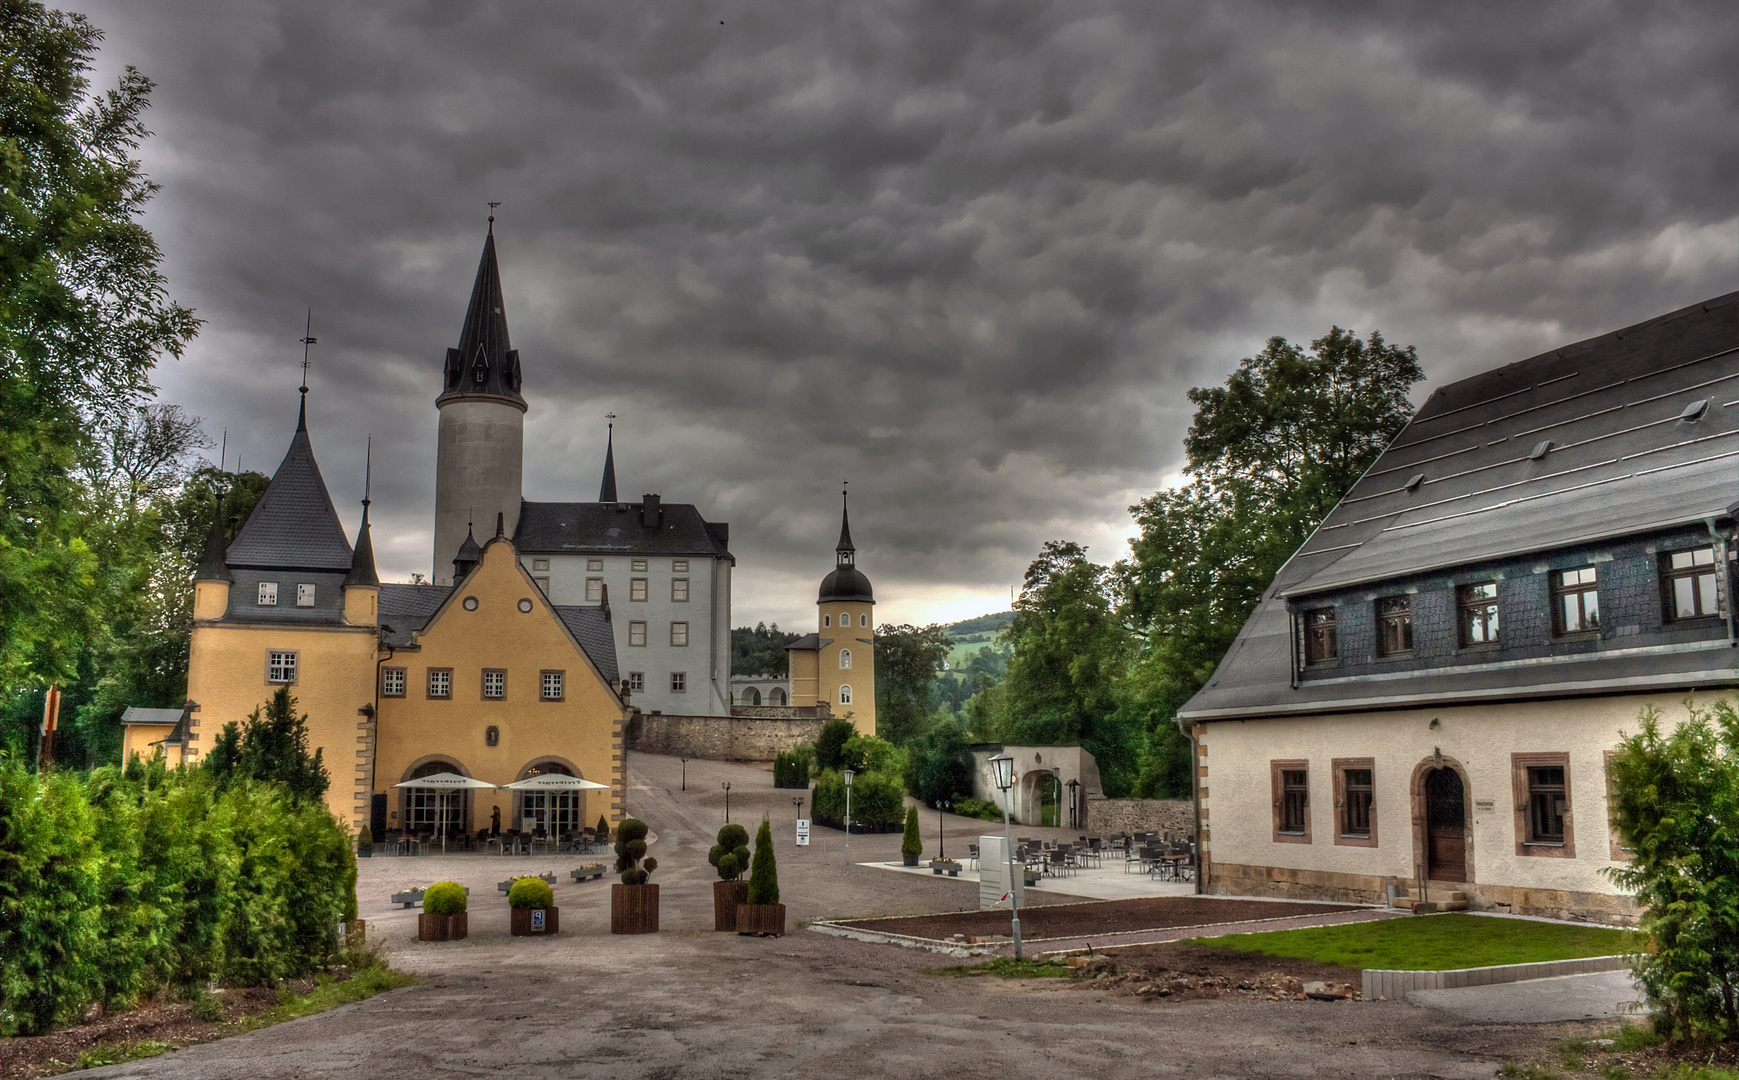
{"x": 1176, "y": 971}
{"x": 170, "y": 1023}
{"x": 1097, "y": 917}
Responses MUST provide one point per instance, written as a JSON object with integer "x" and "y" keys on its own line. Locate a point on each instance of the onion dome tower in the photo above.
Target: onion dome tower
{"x": 845, "y": 645}
{"x": 479, "y": 463}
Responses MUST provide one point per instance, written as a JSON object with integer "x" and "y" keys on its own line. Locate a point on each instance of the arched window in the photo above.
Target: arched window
{"x": 845, "y": 618}
{"x": 754, "y": 696}
{"x": 827, "y": 620}
{"x": 844, "y": 694}
{"x": 423, "y": 808}
{"x": 554, "y": 812}
{"x": 863, "y": 620}
{"x": 845, "y": 658}
{"x": 777, "y": 697}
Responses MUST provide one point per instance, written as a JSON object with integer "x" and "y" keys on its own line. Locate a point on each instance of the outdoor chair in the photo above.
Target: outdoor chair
{"x": 1058, "y": 864}
{"x": 972, "y": 855}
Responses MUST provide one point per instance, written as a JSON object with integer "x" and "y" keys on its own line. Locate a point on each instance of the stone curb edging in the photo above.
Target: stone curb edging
{"x": 883, "y": 938}
{"x": 1381, "y": 984}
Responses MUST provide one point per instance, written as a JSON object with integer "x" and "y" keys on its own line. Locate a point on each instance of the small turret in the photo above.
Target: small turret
{"x": 470, "y": 554}
{"x": 211, "y": 581}
{"x": 362, "y": 584}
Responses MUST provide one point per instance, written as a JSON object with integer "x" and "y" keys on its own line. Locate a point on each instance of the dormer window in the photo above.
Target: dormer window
{"x": 305, "y": 594}
{"x": 268, "y": 594}
{"x": 1321, "y": 645}
{"x": 1395, "y": 625}
{"x": 1689, "y": 584}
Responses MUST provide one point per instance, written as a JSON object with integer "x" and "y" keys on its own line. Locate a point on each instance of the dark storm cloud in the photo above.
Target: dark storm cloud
{"x": 969, "y": 255}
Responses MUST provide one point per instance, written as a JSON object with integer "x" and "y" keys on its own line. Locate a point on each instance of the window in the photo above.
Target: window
{"x": 1478, "y": 613}
{"x": 594, "y": 565}
{"x": 639, "y": 565}
{"x": 554, "y": 683}
{"x": 1354, "y": 795}
{"x": 540, "y": 564}
{"x": 636, "y": 681}
{"x": 305, "y": 595}
{"x": 268, "y": 594}
{"x": 1291, "y": 789}
{"x": 845, "y": 618}
{"x": 679, "y": 633}
{"x": 679, "y": 682}
{"x": 863, "y": 620}
{"x": 441, "y": 682}
{"x": 826, "y": 621}
{"x": 845, "y": 658}
{"x": 1689, "y": 584}
{"x": 1321, "y": 646}
{"x": 494, "y": 684}
{"x": 1394, "y": 625}
{"x": 1575, "y": 601}
{"x": 392, "y": 682}
{"x": 594, "y": 590}
{"x": 679, "y": 566}
{"x": 636, "y": 634}
{"x": 637, "y": 589}
{"x": 679, "y": 590}
{"x": 1543, "y": 818}
{"x": 280, "y": 667}
{"x": 542, "y": 583}
{"x": 844, "y": 694}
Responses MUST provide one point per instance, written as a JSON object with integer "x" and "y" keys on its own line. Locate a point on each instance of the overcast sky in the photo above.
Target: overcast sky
{"x": 970, "y": 256}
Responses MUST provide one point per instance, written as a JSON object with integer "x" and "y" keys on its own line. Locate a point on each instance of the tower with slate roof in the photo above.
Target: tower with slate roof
{"x": 837, "y": 664}
{"x": 481, "y": 443}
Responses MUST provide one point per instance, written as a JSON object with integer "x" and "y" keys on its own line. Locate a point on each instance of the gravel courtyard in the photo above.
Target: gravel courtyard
{"x": 691, "y": 1003}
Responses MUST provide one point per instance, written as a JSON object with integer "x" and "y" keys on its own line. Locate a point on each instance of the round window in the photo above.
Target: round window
{"x": 525, "y": 603}
{"x": 470, "y": 603}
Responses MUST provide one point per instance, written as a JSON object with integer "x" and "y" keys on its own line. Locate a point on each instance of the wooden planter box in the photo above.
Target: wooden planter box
{"x": 633, "y": 909}
{"x": 520, "y": 922}
{"x": 727, "y": 895}
{"x": 442, "y": 927}
{"x": 763, "y": 919}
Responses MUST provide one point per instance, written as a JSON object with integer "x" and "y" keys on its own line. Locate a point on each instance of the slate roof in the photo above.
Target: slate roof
{"x": 485, "y": 363}
{"x": 809, "y": 643}
{"x": 294, "y": 526}
{"x": 211, "y": 559}
{"x": 408, "y": 609}
{"x": 362, "y": 561}
{"x": 846, "y": 583}
{"x": 1576, "y": 445}
{"x": 137, "y": 715}
{"x": 618, "y": 528}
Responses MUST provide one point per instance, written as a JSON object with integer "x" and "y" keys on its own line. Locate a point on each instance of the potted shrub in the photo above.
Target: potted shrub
{"x": 443, "y": 917}
{"x": 365, "y": 843}
{"x": 533, "y": 905}
{"x": 761, "y": 912}
{"x": 633, "y": 903}
{"x": 912, "y": 845}
{"x": 730, "y": 857}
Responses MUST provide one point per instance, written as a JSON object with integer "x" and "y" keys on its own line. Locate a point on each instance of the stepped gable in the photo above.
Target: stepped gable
{"x": 294, "y": 526}
{"x": 1622, "y": 434}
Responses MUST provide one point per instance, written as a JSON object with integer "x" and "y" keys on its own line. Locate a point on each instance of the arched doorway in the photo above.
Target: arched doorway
{"x": 1445, "y": 825}
{"x": 553, "y": 812}
{"x": 421, "y": 809}
{"x": 778, "y": 696}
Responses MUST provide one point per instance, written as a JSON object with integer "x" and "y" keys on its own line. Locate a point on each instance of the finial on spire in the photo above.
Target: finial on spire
{"x": 308, "y": 339}
{"x": 492, "y": 207}
{"x": 367, "y": 472}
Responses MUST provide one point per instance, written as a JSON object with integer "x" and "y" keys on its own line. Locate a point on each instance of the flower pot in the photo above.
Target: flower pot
{"x": 633, "y": 909}
{"x": 910, "y": 857}
{"x": 727, "y": 895}
{"x": 524, "y": 922}
{"x": 764, "y": 919}
{"x": 365, "y": 851}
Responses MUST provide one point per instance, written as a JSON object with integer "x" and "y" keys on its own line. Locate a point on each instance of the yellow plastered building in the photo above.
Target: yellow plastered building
{"x": 837, "y": 663}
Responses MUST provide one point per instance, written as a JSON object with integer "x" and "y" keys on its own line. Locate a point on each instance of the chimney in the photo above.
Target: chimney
{"x": 650, "y": 514}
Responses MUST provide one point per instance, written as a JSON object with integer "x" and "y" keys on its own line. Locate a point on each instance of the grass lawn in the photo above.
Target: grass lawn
{"x": 1435, "y": 942}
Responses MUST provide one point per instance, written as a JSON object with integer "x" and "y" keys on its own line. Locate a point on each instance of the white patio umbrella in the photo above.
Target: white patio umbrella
{"x": 552, "y": 783}
{"x": 443, "y": 783}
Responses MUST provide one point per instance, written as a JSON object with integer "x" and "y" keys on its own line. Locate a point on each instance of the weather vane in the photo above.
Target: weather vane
{"x": 308, "y": 339}
{"x": 492, "y": 207}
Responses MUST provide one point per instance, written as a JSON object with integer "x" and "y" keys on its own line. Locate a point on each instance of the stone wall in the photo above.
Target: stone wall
{"x": 737, "y": 737}
{"x": 1107, "y": 816}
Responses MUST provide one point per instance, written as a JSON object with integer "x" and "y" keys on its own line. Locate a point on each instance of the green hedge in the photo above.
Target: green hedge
{"x": 878, "y": 802}
{"x": 116, "y": 884}
{"x": 791, "y": 770}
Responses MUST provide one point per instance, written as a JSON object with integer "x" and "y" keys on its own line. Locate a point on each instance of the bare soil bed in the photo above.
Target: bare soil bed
{"x": 1177, "y": 971}
{"x": 171, "y": 1023}
{"x": 1096, "y": 917}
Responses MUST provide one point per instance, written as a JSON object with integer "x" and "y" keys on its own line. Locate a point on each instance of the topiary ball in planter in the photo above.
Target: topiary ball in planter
{"x": 443, "y": 917}
{"x": 526, "y": 894}
{"x": 533, "y": 905}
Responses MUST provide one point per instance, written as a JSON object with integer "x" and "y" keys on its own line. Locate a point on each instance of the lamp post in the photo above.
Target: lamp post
{"x": 1004, "y": 767}
{"x": 942, "y": 806}
{"x": 848, "y": 775}
{"x": 1074, "y": 805}
{"x": 727, "y": 787}
{"x": 685, "y": 774}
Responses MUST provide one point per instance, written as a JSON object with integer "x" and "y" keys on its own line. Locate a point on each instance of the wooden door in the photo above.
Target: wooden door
{"x": 1445, "y": 827}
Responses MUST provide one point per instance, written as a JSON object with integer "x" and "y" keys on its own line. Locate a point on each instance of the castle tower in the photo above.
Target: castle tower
{"x": 837, "y": 664}
{"x": 479, "y": 461}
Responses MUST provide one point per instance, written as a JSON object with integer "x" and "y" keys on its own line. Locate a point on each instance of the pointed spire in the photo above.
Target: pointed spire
{"x": 308, "y": 339}
{"x": 362, "y": 561}
{"x": 485, "y": 363}
{"x": 211, "y": 564}
{"x": 470, "y": 554}
{"x": 607, "y": 492}
{"x": 845, "y": 554}
{"x": 294, "y": 525}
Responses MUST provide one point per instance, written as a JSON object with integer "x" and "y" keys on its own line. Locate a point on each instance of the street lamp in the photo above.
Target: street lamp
{"x": 685, "y": 774}
{"x": 848, "y": 775}
{"x": 727, "y": 786}
{"x": 1074, "y": 805}
{"x": 1004, "y": 767}
{"x": 942, "y": 806}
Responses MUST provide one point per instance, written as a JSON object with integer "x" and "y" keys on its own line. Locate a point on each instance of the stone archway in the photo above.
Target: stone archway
{"x": 420, "y": 810}
{"x": 1442, "y": 804}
